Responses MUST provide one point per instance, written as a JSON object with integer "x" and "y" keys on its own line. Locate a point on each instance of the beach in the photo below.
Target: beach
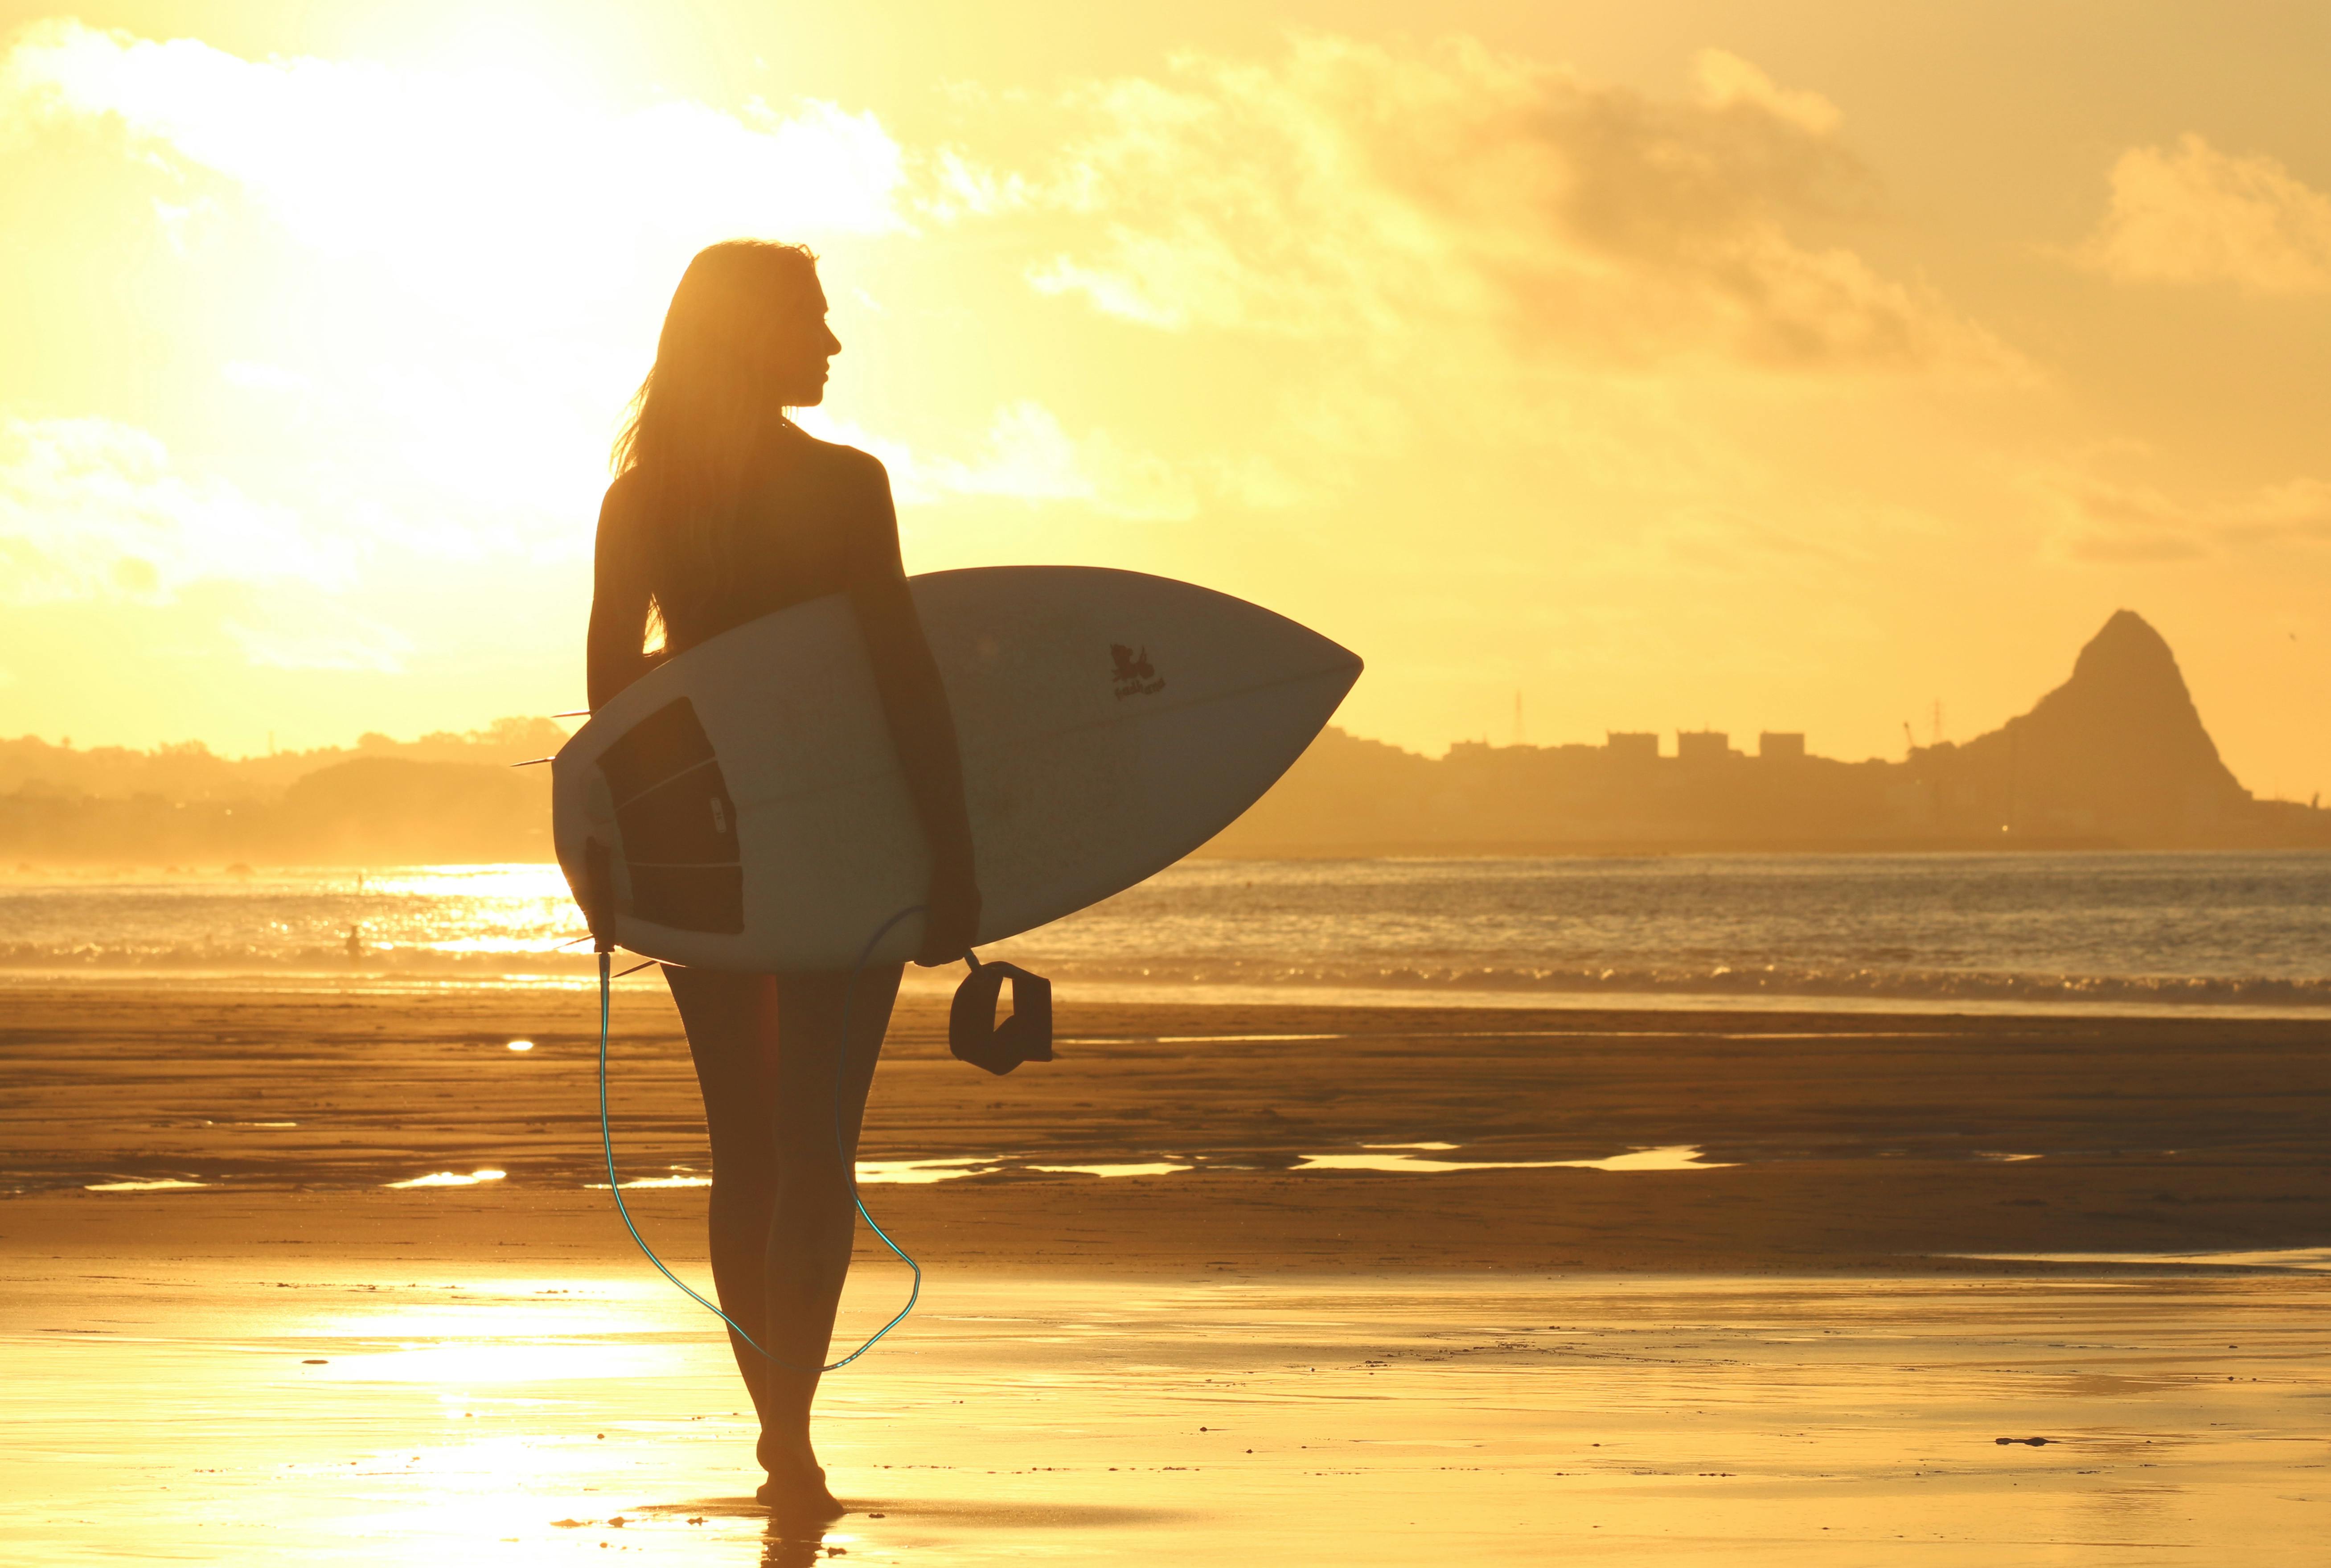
{"x": 1648, "y": 680}
{"x": 1796, "y": 1272}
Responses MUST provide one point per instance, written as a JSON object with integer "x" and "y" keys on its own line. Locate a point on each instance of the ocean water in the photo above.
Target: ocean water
{"x": 2129, "y": 932}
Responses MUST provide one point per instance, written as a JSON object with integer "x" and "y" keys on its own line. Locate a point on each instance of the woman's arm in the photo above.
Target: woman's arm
{"x": 619, "y": 600}
{"x": 922, "y": 726}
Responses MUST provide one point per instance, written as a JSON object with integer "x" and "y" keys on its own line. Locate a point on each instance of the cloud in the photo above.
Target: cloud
{"x": 487, "y": 190}
{"x": 1028, "y": 456}
{"x": 1351, "y": 191}
{"x": 2119, "y": 524}
{"x": 332, "y": 642}
{"x": 464, "y": 269}
{"x": 2193, "y": 214}
{"x": 1725, "y": 81}
{"x": 2297, "y": 509}
{"x": 92, "y": 510}
{"x": 252, "y": 376}
{"x": 2113, "y": 522}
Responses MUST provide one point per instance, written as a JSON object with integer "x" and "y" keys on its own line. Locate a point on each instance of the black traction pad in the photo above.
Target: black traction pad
{"x": 676, "y": 824}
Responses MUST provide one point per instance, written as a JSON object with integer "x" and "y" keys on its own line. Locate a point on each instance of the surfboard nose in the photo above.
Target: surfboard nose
{"x": 1315, "y": 654}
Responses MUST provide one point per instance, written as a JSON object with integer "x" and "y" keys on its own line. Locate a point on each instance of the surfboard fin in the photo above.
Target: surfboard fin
{"x": 972, "y": 1033}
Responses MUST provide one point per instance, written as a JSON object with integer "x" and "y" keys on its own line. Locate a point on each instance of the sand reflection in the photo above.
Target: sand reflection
{"x": 450, "y": 1179}
{"x": 1125, "y": 1168}
{"x": 1403, "y": 1159}
{"x": 1670, "y": 1157}
{"x": 919, "y": 1172}
{"x": 1361, "y": 1421}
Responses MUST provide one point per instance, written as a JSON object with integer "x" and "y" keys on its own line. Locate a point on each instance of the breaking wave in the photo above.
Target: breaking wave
{"x": 1872, "y": 983}
{"x": 1457, "y": 979}
{"x": 2139, "y": 932}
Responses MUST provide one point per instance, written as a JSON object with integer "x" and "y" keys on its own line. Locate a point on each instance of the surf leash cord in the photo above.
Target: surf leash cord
{"x": 840, "y": 1149}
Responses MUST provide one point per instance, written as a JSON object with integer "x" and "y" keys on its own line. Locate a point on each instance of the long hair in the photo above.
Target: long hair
{"x": 691, "y": 425}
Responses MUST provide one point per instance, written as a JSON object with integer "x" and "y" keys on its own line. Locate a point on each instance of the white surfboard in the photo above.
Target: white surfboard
{"x": 1110, "y": 722}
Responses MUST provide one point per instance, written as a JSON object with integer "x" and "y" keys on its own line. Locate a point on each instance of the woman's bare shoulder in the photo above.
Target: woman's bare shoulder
{"x": 845, "y": 462}
{"x": 620, "y": 509}
{"x": 623, "y": 496}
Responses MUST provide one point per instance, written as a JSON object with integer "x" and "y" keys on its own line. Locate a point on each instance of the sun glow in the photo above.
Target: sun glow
{"x": 463, "y": 266}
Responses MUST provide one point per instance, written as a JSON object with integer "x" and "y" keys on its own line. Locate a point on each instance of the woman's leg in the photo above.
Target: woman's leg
{"x": 812, "y": 1222}
{"x": 732, "y": 1034}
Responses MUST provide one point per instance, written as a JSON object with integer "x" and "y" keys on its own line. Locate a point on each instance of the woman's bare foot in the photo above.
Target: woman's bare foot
{"x": 800, "y": 1495}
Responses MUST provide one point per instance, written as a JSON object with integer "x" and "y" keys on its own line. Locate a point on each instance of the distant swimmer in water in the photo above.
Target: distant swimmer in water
{"x": 356, "y": 942}
{"x": 724, "y": 510}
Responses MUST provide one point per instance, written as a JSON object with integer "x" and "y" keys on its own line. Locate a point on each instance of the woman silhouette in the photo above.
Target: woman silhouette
{"x": 722, "y": 510}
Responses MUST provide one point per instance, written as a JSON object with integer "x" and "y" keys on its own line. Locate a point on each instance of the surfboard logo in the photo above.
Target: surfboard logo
{"x": 1135, "y": 675}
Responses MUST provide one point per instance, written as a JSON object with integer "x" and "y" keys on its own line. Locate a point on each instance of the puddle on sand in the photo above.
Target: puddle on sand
{"x": 450, "y": 1179}
{"x": 1398, "y": 1159}
{"x": 901, "y": 1172}
{"x": 1238, "y": 1039}
{"x": 920, "y": 1172}
{"x": 2311, "y": 1260}
{"x": 1672, "y": 1157}
{"x": 1386, "y": 1157}
{"x": 1150, "y": 1168}
{"x": 1395, "y": 1158}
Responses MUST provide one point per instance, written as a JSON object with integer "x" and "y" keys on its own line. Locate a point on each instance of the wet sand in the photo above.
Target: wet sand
{"x": 1851, "y": 1142}
{"x": 1785, "y": 1355}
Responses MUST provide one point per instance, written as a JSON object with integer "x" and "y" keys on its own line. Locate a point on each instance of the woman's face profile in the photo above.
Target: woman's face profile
{"x": 805, "y": 343}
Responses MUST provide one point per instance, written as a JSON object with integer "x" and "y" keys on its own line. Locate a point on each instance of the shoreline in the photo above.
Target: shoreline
{"x": 19, "y": 869}
{"x": 388, "y": 980}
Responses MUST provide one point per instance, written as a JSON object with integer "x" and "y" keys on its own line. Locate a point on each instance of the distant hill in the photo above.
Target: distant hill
{"x": 189, "y": 770}
{"x": 445, "y": 797}
{"x": 2119, "y": 749}
{"x": 2117, "y": 756}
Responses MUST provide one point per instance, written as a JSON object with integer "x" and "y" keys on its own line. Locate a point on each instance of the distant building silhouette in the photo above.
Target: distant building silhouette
{"x": 1703, "y": 747}
{"x": 2116, "y": 756}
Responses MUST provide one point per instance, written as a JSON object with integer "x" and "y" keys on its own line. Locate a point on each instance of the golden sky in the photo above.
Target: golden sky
{"x": 1787, "y": 364}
